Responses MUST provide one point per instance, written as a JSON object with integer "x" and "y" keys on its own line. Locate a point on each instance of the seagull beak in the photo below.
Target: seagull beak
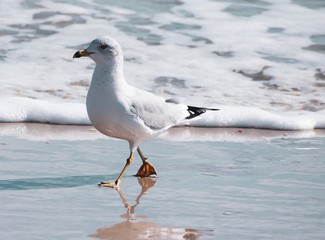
{"x": 82, "y": 53}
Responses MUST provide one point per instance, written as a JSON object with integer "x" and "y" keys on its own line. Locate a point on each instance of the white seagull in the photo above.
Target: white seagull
{"x": 119, "y": 110}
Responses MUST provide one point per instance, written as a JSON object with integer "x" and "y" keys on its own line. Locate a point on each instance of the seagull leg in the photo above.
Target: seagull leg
{"x": 116, "y": 184}
{"x": 146, "y": 170}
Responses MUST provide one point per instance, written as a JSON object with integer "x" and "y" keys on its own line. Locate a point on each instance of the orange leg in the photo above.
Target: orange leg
{"x": 146, "y": 170}
{"x": 119, "y": 179}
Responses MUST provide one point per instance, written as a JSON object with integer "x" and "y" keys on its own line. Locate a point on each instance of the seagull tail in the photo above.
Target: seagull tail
{"x": 197, "y": 111}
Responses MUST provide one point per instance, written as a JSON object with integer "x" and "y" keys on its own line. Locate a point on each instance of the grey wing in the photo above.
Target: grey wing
{"x": 156, "y": 113}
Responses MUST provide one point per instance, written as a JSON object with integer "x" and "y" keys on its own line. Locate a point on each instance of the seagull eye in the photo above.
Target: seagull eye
{"x": 103, "y": 46}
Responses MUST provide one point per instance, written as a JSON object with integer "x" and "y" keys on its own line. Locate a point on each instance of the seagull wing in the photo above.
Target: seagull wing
{"x": 155, "y": 112}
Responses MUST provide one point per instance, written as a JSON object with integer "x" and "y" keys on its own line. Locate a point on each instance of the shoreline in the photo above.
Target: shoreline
{"x": 44, "y": 132}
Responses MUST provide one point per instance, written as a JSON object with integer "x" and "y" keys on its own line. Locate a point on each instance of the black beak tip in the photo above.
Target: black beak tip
{"x": 77, "y": 55}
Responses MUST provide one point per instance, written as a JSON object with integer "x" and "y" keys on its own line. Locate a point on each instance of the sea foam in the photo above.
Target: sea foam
{"x": 249, "y": 117}
{"x": 19, "y": 109}
{"x": 238, "y": 56}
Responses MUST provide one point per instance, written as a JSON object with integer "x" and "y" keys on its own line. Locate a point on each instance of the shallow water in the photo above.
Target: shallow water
{"x": 205, "y": 190}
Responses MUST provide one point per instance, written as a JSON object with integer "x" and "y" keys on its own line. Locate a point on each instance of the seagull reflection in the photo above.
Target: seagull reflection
{"x": 146, "y": 184}
{"x": 131, "y": 229}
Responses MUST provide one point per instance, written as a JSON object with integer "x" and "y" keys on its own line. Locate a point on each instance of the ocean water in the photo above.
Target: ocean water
{"x": 269, "y": 189}
{"x": 261, "y": 62}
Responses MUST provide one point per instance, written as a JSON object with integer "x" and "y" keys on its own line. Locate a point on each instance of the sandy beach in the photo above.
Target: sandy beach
{"x": 212, "y": 184}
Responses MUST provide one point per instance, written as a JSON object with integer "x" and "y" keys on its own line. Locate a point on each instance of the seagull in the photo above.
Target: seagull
{"x": 121, "y": 111}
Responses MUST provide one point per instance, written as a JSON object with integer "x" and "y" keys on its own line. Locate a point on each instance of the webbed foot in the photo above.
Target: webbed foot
{"x": 115, "y": 184}
{"x": 146, "y": 170}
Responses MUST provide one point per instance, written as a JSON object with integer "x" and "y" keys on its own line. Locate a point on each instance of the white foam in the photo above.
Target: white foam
{"x": 18, "y": 109}
{"x": 245, "y": 117}
{"x": 40, "y": 71}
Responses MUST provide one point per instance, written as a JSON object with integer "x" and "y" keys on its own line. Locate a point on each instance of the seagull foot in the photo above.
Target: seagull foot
{"x": 115, "y": 184}
{"x": 146, "y": 170}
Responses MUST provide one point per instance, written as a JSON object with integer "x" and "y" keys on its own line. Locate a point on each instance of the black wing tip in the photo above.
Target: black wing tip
{"x": 197, "y": 111}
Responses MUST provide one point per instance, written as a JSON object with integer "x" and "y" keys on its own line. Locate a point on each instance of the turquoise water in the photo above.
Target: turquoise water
{"x": 205, "y": 190}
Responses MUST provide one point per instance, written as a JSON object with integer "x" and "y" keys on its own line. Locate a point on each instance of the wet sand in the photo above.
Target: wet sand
{"x": 212, "y": 184}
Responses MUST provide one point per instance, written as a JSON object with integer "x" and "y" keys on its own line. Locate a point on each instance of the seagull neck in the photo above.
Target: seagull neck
{"x": 109, "y": 75}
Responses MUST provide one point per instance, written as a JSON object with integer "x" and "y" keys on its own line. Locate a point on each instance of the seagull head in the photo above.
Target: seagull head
{"x": 102, "y": 50}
